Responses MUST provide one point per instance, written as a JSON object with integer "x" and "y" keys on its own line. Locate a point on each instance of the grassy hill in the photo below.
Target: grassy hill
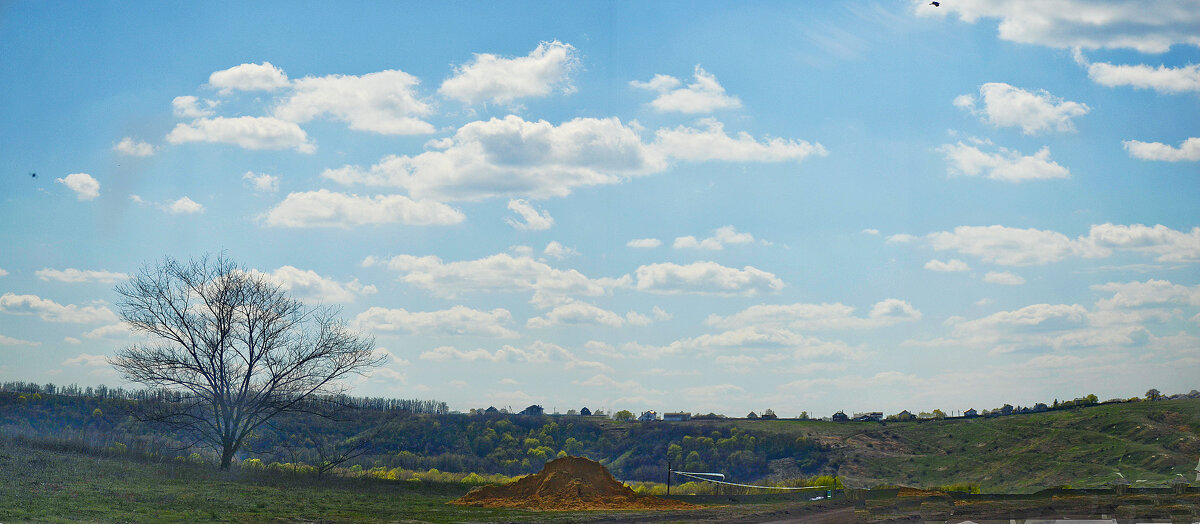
{"x": 1082, "y": 447}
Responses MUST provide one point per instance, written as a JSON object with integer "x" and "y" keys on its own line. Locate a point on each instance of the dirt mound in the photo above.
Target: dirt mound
{"x": 915, "y": 492}
{"x": 567, "y": 483}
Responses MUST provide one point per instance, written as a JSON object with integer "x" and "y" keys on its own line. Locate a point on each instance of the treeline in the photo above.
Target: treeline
{"x": 105, "y": 392}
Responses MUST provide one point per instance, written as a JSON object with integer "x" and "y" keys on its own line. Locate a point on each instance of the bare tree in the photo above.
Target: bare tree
{"x": 235, "y": 348}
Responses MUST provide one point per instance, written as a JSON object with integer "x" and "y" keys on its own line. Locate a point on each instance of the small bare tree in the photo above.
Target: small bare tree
{"x": 235, "y": 348}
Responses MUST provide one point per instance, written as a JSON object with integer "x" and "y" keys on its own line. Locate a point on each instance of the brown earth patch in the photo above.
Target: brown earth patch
{"x": 566, "y": 484}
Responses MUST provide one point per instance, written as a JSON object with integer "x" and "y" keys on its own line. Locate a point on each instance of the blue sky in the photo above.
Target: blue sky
{"x": 703, "y": 207}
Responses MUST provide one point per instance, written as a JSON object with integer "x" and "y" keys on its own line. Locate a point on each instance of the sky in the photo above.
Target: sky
{"x": 703, "y": 206}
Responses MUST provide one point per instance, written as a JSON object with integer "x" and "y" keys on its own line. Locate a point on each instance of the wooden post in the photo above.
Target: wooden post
{"x": 668, "y": 477}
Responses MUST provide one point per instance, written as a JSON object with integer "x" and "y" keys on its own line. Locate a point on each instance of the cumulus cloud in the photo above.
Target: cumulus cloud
{"x": 84, "y": 186}
{"x": 490, "y": 78}
{"x": 512, "y": 157}
{"x": 721, "y": 237}
{"x": 383, "y": 102}
{"x": 712, "y": 143}
{"x": 1188, "y": 150}
{"x": 558, "y": 251}
{"x": 183, "y": 206}
{"x": 1005, "y": 278}
{"x": 1024, "y": 247}
{"x": 189, "y": 107}
{"x": 3, "y": 272}
{"x": 117, "y": 331}
{"x": 951, "y": 266}
{"x": 1033, "y": 112}
{"x": 1153, "y": 291}
{"x": 10, "y": 341}
{"x": 130, "y": 147}
{"x": 500, "y": 273}
{"x": 81, "y": 275}
{"x": 804, "y": 316}
{"x": 774, "y": 340}
{"x": 249, "y": 77}
{"x": 705, "y": 278}
{"x": 85, "y": 359}
{"x": 644, "y": 243}
{"x": 310, "y": 286}
{"x": 324, "y": 208}
{"x": 537, "y": 352}
{"x": 456, "y": 321}
{"x": 248, "y": 132}
{"x": 704, "y": 95}
{"x": 1006, "y": 165}
{"x": 1009, "y": 246}
{"x": 576, "y": 313}
{"x": 52, "y": 311}
{"x": 261, "y": 182}
{"x": 1170, "y": 80}
{"x": 531, "y": 219}
{"x": 1113, "y": 24}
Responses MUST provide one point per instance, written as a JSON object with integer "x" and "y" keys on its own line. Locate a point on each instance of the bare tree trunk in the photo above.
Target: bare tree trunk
{"x": 227, "y": 456}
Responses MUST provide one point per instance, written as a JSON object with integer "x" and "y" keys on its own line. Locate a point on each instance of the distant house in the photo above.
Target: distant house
{"x": 534, "y": 409}
{"x": 648, "y": 416}
{"x": 871, "y": 416}
{"x": 678, "y": 416}
{"x": 585, "y": 412}
{"x": 769, "y": 415}
{"x": 970, "y": 413}
{"x": 1006, "y": 410}
{"x": 491, "y": 410}
{"x": 1040, "y": 407}
{"x": 752, "y": 415}
{"x": 840, "y": 416}
{"x": 905, "y": 415}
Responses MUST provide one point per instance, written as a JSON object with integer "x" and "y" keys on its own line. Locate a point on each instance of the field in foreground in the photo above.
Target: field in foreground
{"x": 56, "y": 486}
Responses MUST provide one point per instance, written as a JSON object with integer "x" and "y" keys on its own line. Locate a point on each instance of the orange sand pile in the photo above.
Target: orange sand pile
{"x": 568, "y": 483}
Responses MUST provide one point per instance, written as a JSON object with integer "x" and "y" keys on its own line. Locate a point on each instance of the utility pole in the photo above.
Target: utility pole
{"x": 668, "y": 477}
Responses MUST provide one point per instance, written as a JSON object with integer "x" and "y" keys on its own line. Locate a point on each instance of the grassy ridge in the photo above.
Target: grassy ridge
{"x": 1151, "y": 441}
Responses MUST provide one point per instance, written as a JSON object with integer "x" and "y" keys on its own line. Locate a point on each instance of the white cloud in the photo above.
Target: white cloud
{"x": 248, "y": 132}
{"x": 456, "y": 321}
{"x": 72, "y": 340}
{"x": 1188, "y": 150}
{"x": 576, "y": 313}
{"x": 705, "y": 95}
{"x": 508, "y": 382}
{"x": 84, "y": 359}
{"x": 1136, "y": 294}
{"x": 490, "y": 78}
{"x": 1008, "y": 246}
{"x": 117, "y": 331}
{"x": 249, "y": 77}
{"x": 81, "y": 275}
{"x": 951, "y": 266}
{"x": 626, "y": 387}
{"x": 383, "y": 102}
{"x": 189, "y": 107}
{"x": 183, "y": 206}
{"x": 818, "y": 316}
{"x": 3, "y": 272}
{"x": 1170, "y": 245}
{"x": 9, "y": 341}
{"x": 712, "y": 143}
{"x": 752, "y": 338}
{"x": 1033, "y": 112}
{"x": 1148, "y": 27}
{"x": 310, "y": 286}
{"x": 705, "y": 278}
{"x": 51, "y": 311}
{"x": 324, "y": 208}
{"x": 644, "y": 243}
{"x": 500, "y": 273}
{"x": 262, "y": 182}
{"x": 1023, "y": 247}
{"x": 1005, "y": 278}
{"x": 514, "y": 158}
{"x": 537, "y": 352}
{"x": 870, "y": 231}
{"x": 900, "y": 238}
{"x": 84, "y": 186}
{"x": 1171, "y": 80}
{"x": 130, "y": 147}
{"x": 531, "y": 218}
{"x": 1006, "y": 164}
{"x": 558, "y": 251}
{"x": 722, "y": 236}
